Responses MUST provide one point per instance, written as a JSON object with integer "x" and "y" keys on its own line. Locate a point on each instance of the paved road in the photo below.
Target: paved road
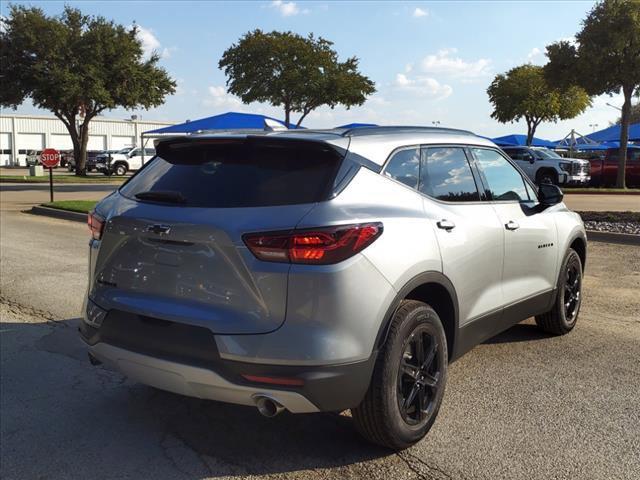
{"x": 521, "y": 406}
{"x": 22, "y": 196}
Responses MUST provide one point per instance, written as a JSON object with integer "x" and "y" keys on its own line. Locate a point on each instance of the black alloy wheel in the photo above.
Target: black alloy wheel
{"x": 563, "y": 315}
{"x": 572, "y": 288}
{"x": 418, "y": 376}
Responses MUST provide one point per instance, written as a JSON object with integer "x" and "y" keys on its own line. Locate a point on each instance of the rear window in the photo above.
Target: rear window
{"x": 231, "y": 173}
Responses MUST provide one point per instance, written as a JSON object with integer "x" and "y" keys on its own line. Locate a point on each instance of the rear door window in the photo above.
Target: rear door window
{"x": 238, "y": 173}
{"x": 445, "y": 174}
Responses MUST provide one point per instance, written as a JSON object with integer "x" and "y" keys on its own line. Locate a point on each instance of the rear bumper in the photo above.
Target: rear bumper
{"x": 190, "y": 365}
{"x": 192, "y": 381}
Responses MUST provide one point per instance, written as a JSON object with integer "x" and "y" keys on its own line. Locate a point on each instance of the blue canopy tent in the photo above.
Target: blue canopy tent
{"x": 357, "y": 125}
{"x": 224, "y": 121}
{"x": 521, "y": 140}
{"x": 612, "y": 134}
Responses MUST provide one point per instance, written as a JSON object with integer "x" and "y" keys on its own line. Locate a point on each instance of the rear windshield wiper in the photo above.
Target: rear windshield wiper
{"x": 167, "y": 196}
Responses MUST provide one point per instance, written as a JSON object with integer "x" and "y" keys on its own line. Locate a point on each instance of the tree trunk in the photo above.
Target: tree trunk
{"x": 624, "y": 137}
{"x": 287, "y": 114}
{"x": 70, "y": 122}
{"x": 81, "y": 160}
{"x": 302, "y": 117}
{"x": 530, "y": 131}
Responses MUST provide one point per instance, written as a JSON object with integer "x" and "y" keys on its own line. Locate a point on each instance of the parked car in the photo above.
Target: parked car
{"x": 324, "y": 271}
{"x": 124, "y": 160}
{"x": 33, "y": 157}
{"x": 65, "y": 156}
{"x": 604, "y": 171}
{"x": 90, "y": 164}
{"x": 546, "y": 166}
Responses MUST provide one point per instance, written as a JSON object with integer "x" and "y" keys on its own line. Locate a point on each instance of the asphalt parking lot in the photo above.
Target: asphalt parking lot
{"x": 522, "y": 405}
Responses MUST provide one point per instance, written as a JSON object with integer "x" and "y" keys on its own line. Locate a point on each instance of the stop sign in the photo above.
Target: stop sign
{"x": 50, "y": 157}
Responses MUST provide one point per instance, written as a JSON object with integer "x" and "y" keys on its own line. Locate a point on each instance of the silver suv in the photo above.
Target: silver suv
{"x": 325, "y": 270}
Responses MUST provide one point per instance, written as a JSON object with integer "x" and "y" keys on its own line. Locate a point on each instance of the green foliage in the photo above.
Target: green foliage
{"x": 297, "y": 73}
{"x": 523, "y": 92}
{"x": 605, "y": 59}
{"x": 634, "y": 115}
{"x": 74, "y": 62}
{"x": 79, "y": 206}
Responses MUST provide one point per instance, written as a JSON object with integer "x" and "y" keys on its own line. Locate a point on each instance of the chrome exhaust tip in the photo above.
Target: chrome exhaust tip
{"x": 267, "y": 406}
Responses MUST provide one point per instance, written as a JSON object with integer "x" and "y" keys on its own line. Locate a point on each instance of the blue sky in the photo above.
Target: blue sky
{"x": 431, "y": 61}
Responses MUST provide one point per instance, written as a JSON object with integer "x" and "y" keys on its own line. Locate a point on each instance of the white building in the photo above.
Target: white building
{"x": 20, "y": 134}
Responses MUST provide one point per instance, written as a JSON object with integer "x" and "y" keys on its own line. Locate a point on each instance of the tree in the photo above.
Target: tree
{"x": 523, "y": 92}
{"x": 75, "y": 65}
{"x": 604, "y": 59}
{"x": 297, "y": 73}
{"x": 634, "y": 115}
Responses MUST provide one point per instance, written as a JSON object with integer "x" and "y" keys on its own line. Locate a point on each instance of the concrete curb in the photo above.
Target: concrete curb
{"x": 57, "y": 213}
{"x": 610, "y": 237}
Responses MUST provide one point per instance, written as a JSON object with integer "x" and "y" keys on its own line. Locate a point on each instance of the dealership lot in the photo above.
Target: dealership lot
{"x": 523, "y": 405}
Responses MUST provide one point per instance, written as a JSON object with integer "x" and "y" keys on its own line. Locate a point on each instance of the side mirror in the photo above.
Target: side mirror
{"x": 550, "y": 194}
{"x": 529, "y": 157}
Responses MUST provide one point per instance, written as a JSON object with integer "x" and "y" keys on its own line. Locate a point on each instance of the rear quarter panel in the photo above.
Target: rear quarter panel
{"x": 334, "y": 312}
{"x": 408, "y": 245}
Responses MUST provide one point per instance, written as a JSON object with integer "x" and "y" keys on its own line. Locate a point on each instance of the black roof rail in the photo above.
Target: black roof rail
{"x": 363, "y": 131}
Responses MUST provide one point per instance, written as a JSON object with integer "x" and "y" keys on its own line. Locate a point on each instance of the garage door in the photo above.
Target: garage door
{"x": 118, "y": 142}
{"x": 61, "y": 141}
{"x": 97, "y": 142}
{"x": 28, "y": 142}
{"x": 5, "y": 148}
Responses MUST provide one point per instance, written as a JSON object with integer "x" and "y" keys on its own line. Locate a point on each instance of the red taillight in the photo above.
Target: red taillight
{"x": 318, "y": 246}
{"x": 96, "y": 225}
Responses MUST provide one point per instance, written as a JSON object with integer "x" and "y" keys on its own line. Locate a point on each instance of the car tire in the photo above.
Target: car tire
{"x": 561, "y": 319}
{"x": 408, "y": 380}
{"x": 120, "y": 169}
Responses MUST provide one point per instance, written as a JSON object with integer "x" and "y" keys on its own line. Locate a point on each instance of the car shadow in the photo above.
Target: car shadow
{"x": 46, "y": 370}
{"x": 521, "y": 332}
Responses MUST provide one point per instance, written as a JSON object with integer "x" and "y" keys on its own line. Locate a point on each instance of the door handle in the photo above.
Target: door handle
{"x": 512, "y": 225}
{"x": 446, "y": 225}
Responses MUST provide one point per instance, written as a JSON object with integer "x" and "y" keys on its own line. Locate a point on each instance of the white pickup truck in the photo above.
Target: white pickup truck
{"x": 124, "y": 160}
{"x": 545, "y": 166}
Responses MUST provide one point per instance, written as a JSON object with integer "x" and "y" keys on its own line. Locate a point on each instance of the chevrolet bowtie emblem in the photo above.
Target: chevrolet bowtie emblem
{"x": 159, "y": 229}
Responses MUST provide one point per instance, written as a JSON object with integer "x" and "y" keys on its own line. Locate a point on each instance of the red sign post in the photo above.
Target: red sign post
{"x": 50, "y": 158}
